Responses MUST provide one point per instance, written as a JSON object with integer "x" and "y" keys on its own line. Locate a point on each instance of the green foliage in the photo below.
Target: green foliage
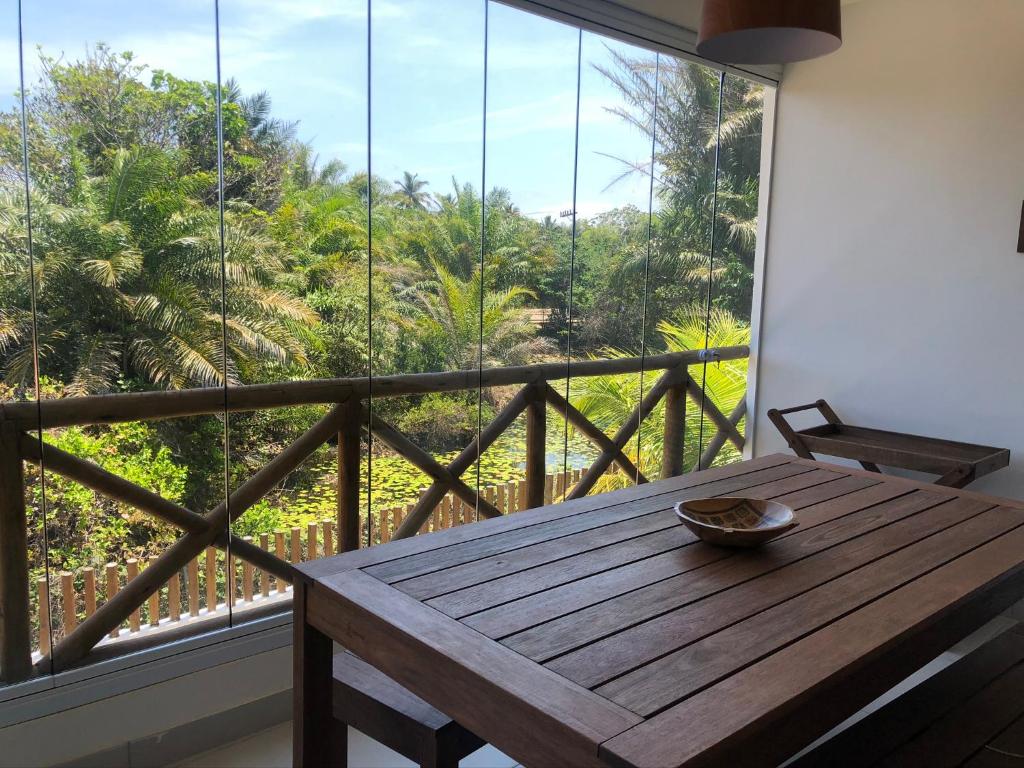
{"x": 85, "y": 528}
{"x": 609, "y": 400}
{"x": 140, "y": 284}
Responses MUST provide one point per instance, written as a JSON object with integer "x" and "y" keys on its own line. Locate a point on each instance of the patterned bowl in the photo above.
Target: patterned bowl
{"x": 733, "y": 521}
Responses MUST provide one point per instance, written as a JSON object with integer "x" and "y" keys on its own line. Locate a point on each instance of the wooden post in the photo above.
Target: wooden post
{"x": 154, "y": 602}
{"x": 282, "y": 586}
{"x": 192, "y": 574}
{"x": 230, "y": 582}
{"x": 536, "y": 448}
{"x": 296, "y": 545}
{"x": 446, "y": 511}
{"x": 522, "y": 497}
{"x": 113, "y": 583}
{"x": 500, "y": 503}
{"x": 348, "y": 477}
{"x": 43, "y": 590}
{"x": 549, "y": 488}
{"x": 16, "y": 632}
{"x": 174, "y": 597}
{"x": 211, "y": 579}
{"x": 68, "y": 602}
{"x": 311, "y": 547}
{"x": 435, "y": 518}
{"x": 385, "y": 526}
{"x": 247, "y": 578}
{"x": 89, "y": 581}
{"x": 135, "y": 618}
{"x": 264, "y": 576}
{"x": 673, "y": 442}
{"x": 328, "y": 538}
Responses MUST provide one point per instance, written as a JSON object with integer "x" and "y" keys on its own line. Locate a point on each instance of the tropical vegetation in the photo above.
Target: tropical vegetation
{"x": 143, "y": 276}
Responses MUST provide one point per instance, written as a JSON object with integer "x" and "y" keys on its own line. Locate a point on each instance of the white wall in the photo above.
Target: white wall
{"x": 892, "y": 285}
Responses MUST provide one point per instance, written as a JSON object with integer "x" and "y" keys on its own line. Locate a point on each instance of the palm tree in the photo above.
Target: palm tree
{"x": 411, "y": 192}
{"x": 128, "y": 285}
{"x": 609, "y": 400}
{"x": 449, "y": 323}
{"x": 686, "y": 127}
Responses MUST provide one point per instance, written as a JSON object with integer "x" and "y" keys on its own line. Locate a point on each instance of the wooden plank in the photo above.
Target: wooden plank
{"x": 480, "y": 597}
{"x": 163, "y": 404}
{"x": 583, "y": 555}
{"x": 210, "y": 567}
{"x": 193, "y": 586}
{"x": 524, "y": 710}
{"x": 536, "y": 449}
{"x": 522, "y": 614}
{"x": 349, "y": 451}
{"x": 417, "y": 565}
{"x": 855, "y": 659}
{"x": 624, "y": 651}
{"x": 715, "y": 657}
{"x": 466, "y": 458}
{"x": 113, "y": 583}
{"x": 419, "y": 545}
{"x": 15, "y": 638}
{"x": 89, "y": 590}
{"x": 717, "y": 441}
{"x": 674, "y": 432}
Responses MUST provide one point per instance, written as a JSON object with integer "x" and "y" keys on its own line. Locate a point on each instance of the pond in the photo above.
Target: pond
{"x": 397, "y": 483}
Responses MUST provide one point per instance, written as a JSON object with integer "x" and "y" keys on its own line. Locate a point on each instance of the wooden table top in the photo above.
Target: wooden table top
{"x": 600, "y": 632}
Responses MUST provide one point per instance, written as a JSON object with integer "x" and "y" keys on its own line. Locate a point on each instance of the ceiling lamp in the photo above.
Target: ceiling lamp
{"x": 768, "y": 31}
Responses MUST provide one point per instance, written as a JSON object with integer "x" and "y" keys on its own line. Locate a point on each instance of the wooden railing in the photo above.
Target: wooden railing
{"x": 348, "y": 418}
{"x": 192, "y": 593}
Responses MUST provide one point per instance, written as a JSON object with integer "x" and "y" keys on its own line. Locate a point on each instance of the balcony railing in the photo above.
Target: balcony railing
{"x": 443, "y": 504}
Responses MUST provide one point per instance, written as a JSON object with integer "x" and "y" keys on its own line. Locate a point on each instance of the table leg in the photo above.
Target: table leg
{"x": 316, "y": 742}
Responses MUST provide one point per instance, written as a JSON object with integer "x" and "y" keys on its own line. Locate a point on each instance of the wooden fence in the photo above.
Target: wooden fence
{"x": 348, "y": 418}
{"x": 194, "y": 591}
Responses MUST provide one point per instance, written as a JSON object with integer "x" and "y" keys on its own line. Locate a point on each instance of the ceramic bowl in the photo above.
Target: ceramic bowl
{"x": 733, "y": 521}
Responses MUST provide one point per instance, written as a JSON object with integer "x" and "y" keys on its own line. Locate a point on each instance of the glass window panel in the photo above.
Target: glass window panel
{"x": 295, "y": 135}
{"x": 427, "y": 79}
{"x": 17, "y": 365}
{"x": 679, "y": 267}
{"x": 732, "y": 274}
{"x": 531, "y": 116}
{"x": 122, "y": 107}
{"x": 612, "y": 208}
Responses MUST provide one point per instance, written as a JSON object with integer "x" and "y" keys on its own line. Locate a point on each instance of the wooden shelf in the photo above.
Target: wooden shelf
{"x": 957, "y": 463}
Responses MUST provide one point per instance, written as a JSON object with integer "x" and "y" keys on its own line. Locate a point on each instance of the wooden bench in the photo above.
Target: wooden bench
{"x": 376, "y": 705}
{"x": 971, "y": 713}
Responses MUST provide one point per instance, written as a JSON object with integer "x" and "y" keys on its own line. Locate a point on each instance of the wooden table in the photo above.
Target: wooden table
{"x": 599, "y": 632}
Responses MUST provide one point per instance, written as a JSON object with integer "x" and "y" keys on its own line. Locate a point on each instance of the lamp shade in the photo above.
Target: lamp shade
{"x": 769, "y": 31}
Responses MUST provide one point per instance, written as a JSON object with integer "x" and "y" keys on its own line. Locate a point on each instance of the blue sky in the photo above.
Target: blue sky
{"x": 427, "y": 83}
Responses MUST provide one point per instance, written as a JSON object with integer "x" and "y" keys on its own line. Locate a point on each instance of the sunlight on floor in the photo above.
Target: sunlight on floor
{"x": 272, "y": 748}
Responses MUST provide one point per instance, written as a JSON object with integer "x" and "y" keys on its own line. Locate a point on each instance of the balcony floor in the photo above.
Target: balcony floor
{"x": 272, "y": 748}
